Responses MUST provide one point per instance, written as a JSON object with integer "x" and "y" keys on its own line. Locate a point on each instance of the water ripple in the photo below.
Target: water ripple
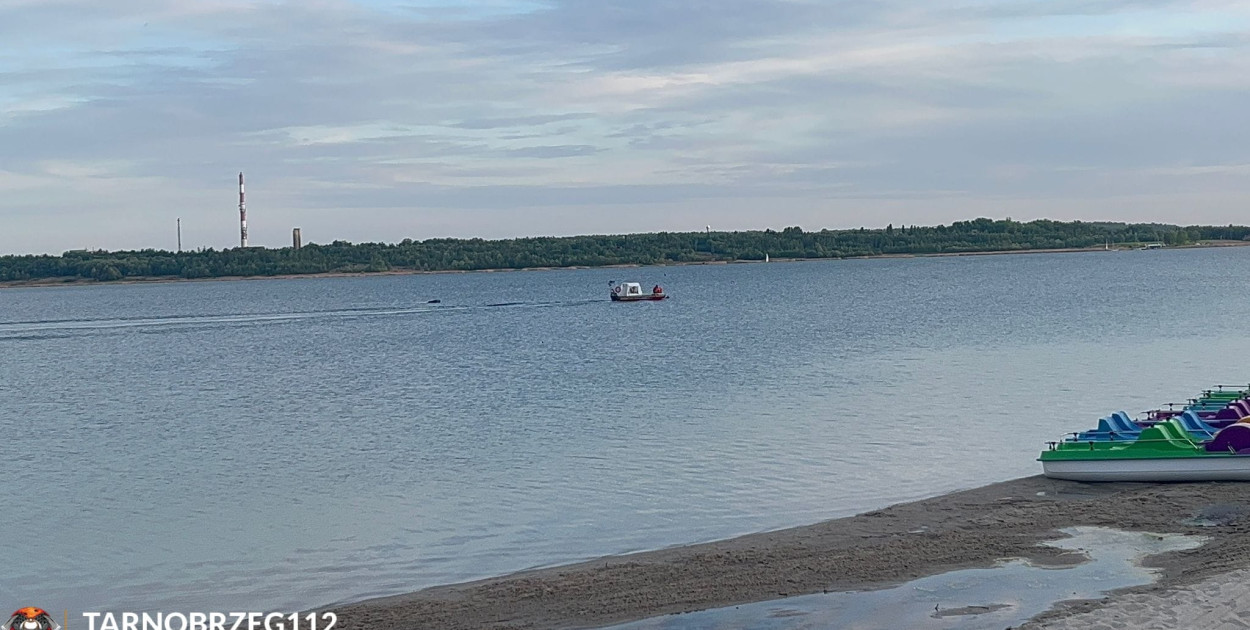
{"x": 288, "y": 444}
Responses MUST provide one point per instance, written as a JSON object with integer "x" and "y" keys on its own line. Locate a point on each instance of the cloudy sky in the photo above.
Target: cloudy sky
{"x": 378, "y": 120}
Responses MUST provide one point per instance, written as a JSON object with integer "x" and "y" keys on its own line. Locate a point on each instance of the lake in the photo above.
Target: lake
{"x": 283, "y": 444}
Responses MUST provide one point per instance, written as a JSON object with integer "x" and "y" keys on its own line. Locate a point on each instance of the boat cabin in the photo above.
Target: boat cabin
{"x": 629, "y": 289}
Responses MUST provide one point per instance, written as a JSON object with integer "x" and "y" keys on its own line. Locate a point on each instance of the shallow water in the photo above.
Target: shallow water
{"x": 973, "y": 599}
{"x": 274, "y": 444}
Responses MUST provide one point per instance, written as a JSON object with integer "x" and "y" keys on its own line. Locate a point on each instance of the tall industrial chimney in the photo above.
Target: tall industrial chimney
{"x": 242, "y": 215}
{"x": 296, "y": 241}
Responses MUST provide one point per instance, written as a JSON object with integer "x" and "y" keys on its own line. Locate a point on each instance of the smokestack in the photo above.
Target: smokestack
{"x": 296, "y": 241}
{"x": 179, "y": 235}
{"x": 242, "y": 215}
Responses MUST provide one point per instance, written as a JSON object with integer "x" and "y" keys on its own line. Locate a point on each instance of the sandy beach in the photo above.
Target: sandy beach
{"x": 882, "y": 548}
{"x": 1216, "y": 603}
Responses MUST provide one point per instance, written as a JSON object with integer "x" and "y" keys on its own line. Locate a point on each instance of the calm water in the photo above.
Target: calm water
{"x": 275, "y": 444}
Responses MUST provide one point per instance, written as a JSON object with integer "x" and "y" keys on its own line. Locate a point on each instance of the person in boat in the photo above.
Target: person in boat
{"x": 657, "y": 290}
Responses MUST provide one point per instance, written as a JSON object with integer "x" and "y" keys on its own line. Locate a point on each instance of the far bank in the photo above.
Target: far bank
{"x": 80, "y": 281}
{"x": 978, "y": 236}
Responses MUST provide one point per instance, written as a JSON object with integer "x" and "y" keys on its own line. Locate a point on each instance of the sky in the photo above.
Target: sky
{"x": 380, "y": 120}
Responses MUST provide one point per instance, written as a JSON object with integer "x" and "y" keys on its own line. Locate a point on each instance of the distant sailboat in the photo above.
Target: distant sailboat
{"x": 765, "y": 257}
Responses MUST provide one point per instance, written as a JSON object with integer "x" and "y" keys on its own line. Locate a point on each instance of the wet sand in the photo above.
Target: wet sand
{"x": 973, "y": 528}
{"x": 1216, "y": 603}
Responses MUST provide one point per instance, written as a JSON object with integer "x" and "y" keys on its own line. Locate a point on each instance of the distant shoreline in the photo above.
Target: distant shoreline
{"x": 75, "y": 281}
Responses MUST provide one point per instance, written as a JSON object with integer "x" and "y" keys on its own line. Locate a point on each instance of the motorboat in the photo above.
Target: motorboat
{"x": 632, "y": 292}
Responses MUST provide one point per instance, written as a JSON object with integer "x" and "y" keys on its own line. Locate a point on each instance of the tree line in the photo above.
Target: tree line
{"x": 448, "y": 254}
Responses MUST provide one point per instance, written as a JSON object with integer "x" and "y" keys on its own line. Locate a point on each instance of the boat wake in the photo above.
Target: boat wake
{"x": 62, "y": 328}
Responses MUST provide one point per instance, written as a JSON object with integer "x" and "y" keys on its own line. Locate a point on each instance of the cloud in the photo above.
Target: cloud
{"x": 386, "y": 119}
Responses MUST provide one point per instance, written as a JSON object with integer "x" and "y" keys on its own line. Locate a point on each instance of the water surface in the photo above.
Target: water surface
{"x": 276, "y": 444}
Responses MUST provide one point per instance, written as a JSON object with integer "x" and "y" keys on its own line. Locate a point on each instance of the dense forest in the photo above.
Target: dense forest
{"x": 445, "y": 254}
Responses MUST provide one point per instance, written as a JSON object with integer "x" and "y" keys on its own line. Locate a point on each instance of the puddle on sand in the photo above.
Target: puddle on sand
{"x": 973, "y": 599}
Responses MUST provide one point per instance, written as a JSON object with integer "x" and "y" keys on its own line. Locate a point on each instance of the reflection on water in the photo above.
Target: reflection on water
{"x": 282, "y": 444}
{"x": 975, "y": 599}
